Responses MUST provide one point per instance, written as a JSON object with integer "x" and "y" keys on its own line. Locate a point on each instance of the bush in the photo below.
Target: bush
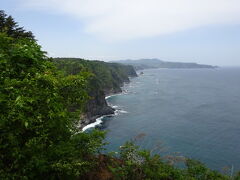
{"x": 38, "y": 129}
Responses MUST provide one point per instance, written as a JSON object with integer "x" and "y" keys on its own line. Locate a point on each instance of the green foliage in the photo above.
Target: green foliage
{"x": 108, "y": 76}
{"x": 38, "y": 133}
{"x": 134, "y": 164}
{"x": 11, "y": 28}
{"x": 139, "y": 164}
{"x": 198, "y": 170}
{"x": 237, "y": 176}
{"x": 39, "y": 112}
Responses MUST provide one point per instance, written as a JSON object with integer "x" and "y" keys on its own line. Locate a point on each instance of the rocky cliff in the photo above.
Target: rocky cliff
{"x": 107, "y": 79}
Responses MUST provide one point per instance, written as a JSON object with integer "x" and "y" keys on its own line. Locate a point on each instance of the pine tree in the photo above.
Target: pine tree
{"x": 11, "y": 28}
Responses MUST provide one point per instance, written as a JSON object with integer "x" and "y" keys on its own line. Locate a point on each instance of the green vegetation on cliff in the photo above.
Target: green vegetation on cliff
{"x": 39, "y": 111}
{"x": 107, "y": 78}
{"x": 110, "y": 76}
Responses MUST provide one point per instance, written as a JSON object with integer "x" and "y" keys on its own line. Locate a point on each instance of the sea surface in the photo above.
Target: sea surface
{"x": 191, "y": 112}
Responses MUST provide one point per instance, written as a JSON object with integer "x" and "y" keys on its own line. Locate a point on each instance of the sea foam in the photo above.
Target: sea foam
{"x": 99, "y": 120}
{"x": 92, "y": 125}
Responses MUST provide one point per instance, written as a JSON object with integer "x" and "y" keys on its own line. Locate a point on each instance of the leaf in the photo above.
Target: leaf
{"x": 18, "y": 98}
{"x": 26, "y": 124}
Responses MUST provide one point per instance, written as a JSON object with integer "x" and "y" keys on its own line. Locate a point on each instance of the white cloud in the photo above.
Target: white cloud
{"x": 129, "y": 19}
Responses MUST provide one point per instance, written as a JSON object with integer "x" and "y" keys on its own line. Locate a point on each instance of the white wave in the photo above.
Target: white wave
{"x": 122, "y": 111}
{"x": 116, "y": 112}
{"x": 99, "y": 120}
{"x": 125, "y": 92}
{"x": 107, "y": 97}
{"x": 119, "y": 111}
{"x": 92, "y": 125}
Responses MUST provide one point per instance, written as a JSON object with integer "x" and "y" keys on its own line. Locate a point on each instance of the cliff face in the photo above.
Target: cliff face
{"x": 120, "y": 74}
{"x": 96, "y": 107}
{"x": 107, "y": 79}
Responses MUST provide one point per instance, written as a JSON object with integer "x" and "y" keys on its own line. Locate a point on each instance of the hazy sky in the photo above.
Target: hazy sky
{"x": 203, "y": 31}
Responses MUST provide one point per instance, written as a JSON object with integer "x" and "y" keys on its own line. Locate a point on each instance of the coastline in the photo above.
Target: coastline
{"x": 98, "y": 120}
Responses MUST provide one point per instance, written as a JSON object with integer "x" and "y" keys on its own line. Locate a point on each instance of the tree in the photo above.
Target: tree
{"x": 11, "y": 28}
{"x": 38, "y": 133}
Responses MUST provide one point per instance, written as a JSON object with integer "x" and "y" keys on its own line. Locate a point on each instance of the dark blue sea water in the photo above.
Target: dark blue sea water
{"x": 195, "y": 112}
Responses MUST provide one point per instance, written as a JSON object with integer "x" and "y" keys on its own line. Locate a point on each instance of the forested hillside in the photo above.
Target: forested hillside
{"x": 157, "y": 63}
{"x": 107, "y": 78}
{"x": 40, "y": 108}
{"x": 111, "y": 76}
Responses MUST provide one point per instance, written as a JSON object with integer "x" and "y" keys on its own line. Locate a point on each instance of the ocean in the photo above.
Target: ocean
{"x": 191, "y": 112}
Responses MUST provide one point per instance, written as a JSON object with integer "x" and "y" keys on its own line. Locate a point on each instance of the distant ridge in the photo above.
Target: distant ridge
{"x": 157, "y": 63}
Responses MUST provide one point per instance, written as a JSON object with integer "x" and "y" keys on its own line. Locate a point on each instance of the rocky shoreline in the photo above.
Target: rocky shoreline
{"x": 98, "y": 107}
{"x": 106, "y": 79}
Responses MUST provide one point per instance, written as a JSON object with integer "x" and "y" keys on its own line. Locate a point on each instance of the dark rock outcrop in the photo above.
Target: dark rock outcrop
{"x": 95, "y": 108}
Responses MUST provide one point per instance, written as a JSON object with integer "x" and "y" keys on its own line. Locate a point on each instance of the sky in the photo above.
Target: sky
{"x": 202, "y": 31}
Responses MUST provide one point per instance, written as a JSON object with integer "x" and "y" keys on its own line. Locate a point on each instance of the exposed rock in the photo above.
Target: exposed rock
{"x": 107, "y": 79}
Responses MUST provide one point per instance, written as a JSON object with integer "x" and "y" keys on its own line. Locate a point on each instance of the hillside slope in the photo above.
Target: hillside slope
{"x": 107, "y": 79}
{"x": 157, "y": 63}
